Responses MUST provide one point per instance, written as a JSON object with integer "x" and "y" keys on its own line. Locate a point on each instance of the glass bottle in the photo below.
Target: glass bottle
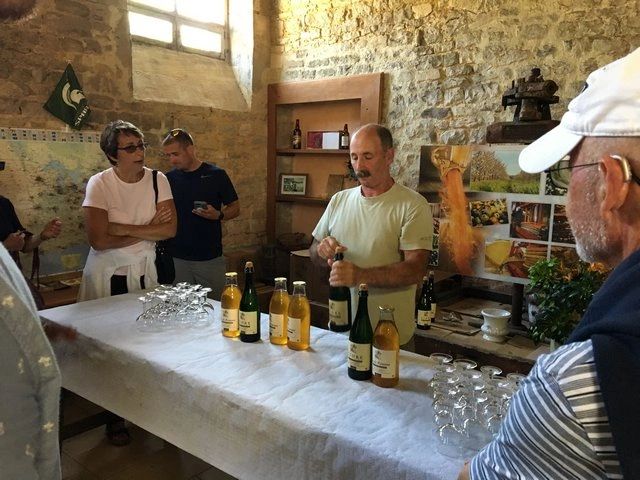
{"x": 386, "y": 347}
{"x": 339, "y": 302}
{"x": 230, "y": 303}
{"x": 426, "y": 304}
{"x": 296, "y": 136}
{"x": 278, "y": 309}
{"x": 344, "y": 138}
{"x": 299, "y": 318}
{"x": 249, "y": 308}
{"x": 360, "y": 339}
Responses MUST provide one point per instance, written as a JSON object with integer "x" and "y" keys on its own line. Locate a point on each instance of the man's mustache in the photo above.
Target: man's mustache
{"x": 363, "y": 173}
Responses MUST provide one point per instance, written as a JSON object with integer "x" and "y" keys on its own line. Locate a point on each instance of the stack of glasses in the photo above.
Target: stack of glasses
{"x": 182, "y": 306}
{"x": 468, "y": 404}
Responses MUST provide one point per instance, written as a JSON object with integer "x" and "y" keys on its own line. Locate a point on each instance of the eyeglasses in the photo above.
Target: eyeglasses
{"x": 132, "y": 148}
{"x": 560, "y": 173}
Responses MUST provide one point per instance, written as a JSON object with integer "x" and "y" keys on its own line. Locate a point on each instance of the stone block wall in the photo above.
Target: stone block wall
{"x": 448, "y": 62}
{"x": 93, "y": 36}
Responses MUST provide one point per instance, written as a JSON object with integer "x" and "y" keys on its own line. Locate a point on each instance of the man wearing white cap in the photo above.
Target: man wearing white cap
{"x": 577, "y": 415}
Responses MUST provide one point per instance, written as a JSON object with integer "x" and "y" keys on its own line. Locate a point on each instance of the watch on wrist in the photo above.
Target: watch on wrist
{"x": 221, "y": 216}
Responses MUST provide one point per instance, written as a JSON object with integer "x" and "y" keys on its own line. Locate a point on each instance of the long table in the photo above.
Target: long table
{"x": 256, "y": 411}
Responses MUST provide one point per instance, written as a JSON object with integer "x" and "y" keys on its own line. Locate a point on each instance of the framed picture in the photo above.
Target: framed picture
{"x": 293, "y": 184}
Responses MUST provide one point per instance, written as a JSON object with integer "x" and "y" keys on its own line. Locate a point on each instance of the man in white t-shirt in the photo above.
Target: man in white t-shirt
{"x": 385, "y": 229}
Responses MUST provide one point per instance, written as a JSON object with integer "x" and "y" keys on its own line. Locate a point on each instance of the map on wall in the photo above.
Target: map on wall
{"x": 44, "y": 177}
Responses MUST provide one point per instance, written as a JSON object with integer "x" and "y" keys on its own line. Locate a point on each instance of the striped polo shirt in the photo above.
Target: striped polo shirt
{"x": 557, "y": 427}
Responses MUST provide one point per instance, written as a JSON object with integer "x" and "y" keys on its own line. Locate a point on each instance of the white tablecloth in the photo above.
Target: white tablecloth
{"x": 256, "y": 411}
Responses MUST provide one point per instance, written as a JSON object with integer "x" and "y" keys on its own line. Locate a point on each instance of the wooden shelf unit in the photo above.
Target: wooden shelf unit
{"x": 323, "y": 105}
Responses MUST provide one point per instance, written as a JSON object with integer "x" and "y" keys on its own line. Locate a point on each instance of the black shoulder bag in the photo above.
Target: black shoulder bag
{"x": 164, "y": 261}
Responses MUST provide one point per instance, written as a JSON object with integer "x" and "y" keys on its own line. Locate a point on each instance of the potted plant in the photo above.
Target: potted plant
{"x": 562, "y": 291}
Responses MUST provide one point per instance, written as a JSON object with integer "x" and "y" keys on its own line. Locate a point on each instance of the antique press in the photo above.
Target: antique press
{"x": 532, "y": 118}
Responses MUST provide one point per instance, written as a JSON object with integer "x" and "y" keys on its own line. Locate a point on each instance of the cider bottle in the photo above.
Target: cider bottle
{"x": 249, "y": 308}
{"x": 386, "y": 348}
{"x": 339, "y": 302}
{"x": 344, "y": 138}
{"x": 360, "y": 339}
{"x": 299, "y": 318}
{"x": 230, "y": 304}
{"x": 278, "y": 309}
{"x": 296, "y": 136}
{"x": 426, "y": 304}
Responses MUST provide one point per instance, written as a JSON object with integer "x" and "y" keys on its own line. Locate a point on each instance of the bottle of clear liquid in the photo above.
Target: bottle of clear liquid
{"x": 230, "y": 302}
{"x": 299, "y": 318}
{"x": 278, "y": 310}
{"x": 426, "y": 304}
{"x": 339, "y": 302}
{"x": 344, "y": 138}
{"x": 360, "y": 339}
{"x": 296, "y": 136}
{"x": 385, "y": 365}
{"x": 249, "y": 308}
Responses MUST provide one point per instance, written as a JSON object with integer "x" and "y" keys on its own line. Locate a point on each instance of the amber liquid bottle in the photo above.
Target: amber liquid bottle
{"x": 339, "y": 302}
{"x": 360, "y": 340}
{"x": 296, "y": 136}
{"x": 344, "y": 139}
{"x": 385, "y": 365}
{"x": 230, "y": 303}
{"x": 249, "y": 308}
{"x": 299, "y": 318}
{"x": 278, "y": 310}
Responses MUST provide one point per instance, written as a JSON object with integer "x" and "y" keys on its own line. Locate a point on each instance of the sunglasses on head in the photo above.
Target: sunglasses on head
{"x": 180, "y": 133}
{"x": 132, "y": 148}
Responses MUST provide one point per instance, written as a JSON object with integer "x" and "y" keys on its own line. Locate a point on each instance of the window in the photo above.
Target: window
{"x": 192, "y": 25}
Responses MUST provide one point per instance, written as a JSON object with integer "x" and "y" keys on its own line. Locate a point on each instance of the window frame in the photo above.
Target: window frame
{"x": 176, "y": 19}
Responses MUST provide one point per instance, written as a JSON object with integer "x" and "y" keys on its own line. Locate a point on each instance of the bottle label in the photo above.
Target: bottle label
{"x": 230, "y": 319}
{"x": 359, "y": 356}
{"x": 248, "y": 322}
{"x": 294, "y": 330}
{"x": 276, "y": 325}
{"x": 384, "y": 363}
{"x": 433, "y": 311}
{"x": 425, "y": 318}
{"x": 344, "y": 141}
{"x": 296, "y": 141}
{"x": 338, "y": 312}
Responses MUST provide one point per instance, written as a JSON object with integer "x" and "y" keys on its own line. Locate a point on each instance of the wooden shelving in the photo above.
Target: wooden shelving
{"x": 289, "y": 152}
{"x": 302, "y": 199}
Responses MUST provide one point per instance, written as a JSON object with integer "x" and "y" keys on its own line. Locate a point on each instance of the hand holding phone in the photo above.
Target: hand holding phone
{"x": 199, "y": 204}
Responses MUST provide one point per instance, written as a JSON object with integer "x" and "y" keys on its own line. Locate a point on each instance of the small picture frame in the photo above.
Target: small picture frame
{"x": 293, "y": 184}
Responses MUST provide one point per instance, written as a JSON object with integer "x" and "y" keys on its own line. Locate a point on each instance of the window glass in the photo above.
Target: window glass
{"x": 208, "y": 11}
{"x": 165, "y": 5}
{"x": 193, "y": 37}
{"x": 150, "y": 27}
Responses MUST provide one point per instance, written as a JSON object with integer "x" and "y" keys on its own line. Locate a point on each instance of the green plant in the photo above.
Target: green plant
{"x": 562, "y": 293}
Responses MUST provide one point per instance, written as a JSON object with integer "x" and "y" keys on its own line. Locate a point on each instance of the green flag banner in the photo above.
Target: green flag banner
{"x": 67, "y": 102}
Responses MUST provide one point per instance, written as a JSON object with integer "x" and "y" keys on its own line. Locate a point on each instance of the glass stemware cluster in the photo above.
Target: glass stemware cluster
{"x": 469, "y": 405}
{"x": 181, "y": 306}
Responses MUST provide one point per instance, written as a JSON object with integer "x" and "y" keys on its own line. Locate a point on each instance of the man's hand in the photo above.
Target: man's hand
{"x": 51, "y": 229}
{"x": 209, "y": 213}
{"x": 327, "y": 249}
{"x": 14, "y": 242}
{"x": 344, "y": 274}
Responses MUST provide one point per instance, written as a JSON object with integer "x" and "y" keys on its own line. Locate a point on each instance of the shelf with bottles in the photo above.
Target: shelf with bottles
{"x": 290, "y": 152}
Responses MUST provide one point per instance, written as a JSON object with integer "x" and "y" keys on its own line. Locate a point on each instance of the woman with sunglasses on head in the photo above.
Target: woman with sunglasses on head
{"x": 123, "y": 222}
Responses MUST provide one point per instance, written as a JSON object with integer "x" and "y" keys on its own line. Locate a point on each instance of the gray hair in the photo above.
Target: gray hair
{"x": 109, "y": 137}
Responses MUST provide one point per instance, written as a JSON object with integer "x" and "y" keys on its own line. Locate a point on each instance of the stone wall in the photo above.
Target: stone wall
{"x": 447, "y": 63}
{"x": 93, "y": 36}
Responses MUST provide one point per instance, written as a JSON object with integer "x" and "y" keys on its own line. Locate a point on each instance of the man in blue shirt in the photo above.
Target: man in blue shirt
{"x": 204, "y": 197}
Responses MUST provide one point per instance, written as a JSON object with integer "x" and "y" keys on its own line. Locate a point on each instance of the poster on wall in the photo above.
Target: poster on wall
{"x": 514, "y": 218}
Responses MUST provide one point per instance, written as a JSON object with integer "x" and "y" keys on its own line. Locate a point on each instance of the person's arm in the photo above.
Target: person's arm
{"x": 163, "y": 225}
{"x": 464, "y": 473}
{"x": 231, "y": 211}
{"x": 406, "y": 272}
{"x": 50, "y": 230}
{"x": 96, "y": 224}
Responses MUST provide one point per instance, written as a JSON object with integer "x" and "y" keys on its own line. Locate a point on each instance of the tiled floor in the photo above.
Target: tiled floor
{"x": 89, "y": 456}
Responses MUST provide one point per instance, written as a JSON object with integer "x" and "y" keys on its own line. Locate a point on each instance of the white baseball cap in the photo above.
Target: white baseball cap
{"x": 608, "y": 106}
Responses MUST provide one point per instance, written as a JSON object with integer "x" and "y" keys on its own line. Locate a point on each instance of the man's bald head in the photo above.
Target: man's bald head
{"x": 15, "y": 9}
